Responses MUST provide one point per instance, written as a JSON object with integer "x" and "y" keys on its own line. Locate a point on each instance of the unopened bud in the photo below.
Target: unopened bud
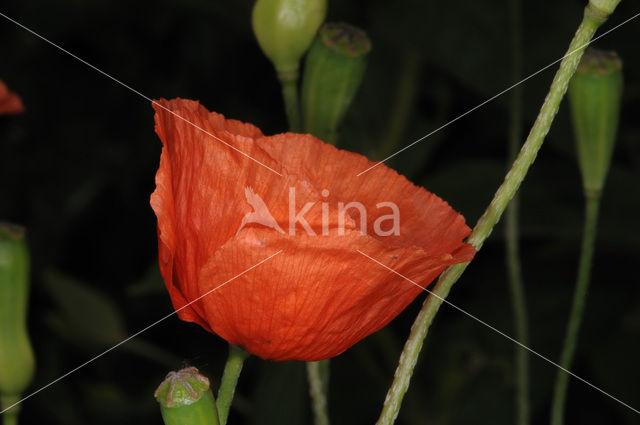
{"x": 16, "y": 356}
{"x": 285, "y": 29}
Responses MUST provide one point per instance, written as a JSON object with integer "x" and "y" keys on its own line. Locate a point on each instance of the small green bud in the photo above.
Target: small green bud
{"x": 186, "y": 399}
{"x": 16, "y": 355}
{"x": 333, "y": 72}
{"x": 594, "y": 95}
{"x": 285, "y": 29}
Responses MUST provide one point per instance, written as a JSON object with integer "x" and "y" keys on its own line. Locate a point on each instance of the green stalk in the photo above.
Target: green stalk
{"x": 289, "y": 84}
{"x": 318, "y": 374}
{"x": 592, "y": 205}
{"x": 405, "y": 95}
{"x": 10, "y": 417}
{"x": 229, "y": 381}
{"x": 514, "y": 269}
{"x": 592, "y": 19}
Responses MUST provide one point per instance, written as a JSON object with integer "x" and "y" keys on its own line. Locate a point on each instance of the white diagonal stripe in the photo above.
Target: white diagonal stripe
{"x": 133, "y": 336}
{"x": 497, "y": 95}
{"x": 136, "y": 91}
{"x": 504, "y": 335}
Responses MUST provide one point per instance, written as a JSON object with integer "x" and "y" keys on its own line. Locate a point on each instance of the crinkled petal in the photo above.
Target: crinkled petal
{"x": 228, "y": 197}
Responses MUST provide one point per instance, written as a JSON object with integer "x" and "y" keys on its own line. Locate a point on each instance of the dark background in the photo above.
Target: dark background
{"x": 77, "y": 169}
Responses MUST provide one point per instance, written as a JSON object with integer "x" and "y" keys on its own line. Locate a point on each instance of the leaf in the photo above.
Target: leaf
{"x": 84, "y": 315}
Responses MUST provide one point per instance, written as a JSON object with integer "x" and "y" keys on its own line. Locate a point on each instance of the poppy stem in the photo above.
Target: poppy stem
{"x": 594, "y": 16}
{"x": 289, "y": 84}
{"x": 10, "y": 417}
{"x": 592, "y": 206}
{"x": 514, "y": 268}
{"x": 318, "y": 374}
{"x": 230, "y": 376}
{"x": 406, "y": 90}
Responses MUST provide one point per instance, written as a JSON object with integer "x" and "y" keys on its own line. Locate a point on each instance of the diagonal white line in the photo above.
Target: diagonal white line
{"x": 135, "y": 335}
{"x": 504, "y": 335}
{"x": 497, "y": 95}
{"x": 134, "y": 91}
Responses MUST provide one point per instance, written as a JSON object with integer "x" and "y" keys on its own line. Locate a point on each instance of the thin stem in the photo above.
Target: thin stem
{"x": 229, "y": 381}
{"x": 590, "y": 23}
{"x": 514, "y": 269}
{"x": 318, "y": 374}
{"x": 289, "y": 83}
{"x": 10, "y": 417}
{"x": 592, "y": 205}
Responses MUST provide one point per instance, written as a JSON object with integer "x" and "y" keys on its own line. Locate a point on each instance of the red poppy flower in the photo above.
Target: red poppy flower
{"x": 222, "y": 208}
{"x": 10, "y": 102}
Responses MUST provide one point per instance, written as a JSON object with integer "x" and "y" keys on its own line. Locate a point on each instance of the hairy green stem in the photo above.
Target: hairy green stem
{"x": 289, "y": 84}
{"x": 592, "y": 205}
{"x": 318, "y": 374}
{"x": 591, "y": 21}
{"x": 514, "y": 269}
{"x": 229, "y": 381}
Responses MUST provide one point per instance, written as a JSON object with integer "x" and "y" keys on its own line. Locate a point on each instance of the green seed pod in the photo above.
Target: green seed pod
{"x": 333, "y": 72}
{"x": 186, "y": 399}
{"x": 16, "y": 355}
{"x": 285, "y": 29}
{"x": 594, "y": 95}
{"x": 605, "y": 7}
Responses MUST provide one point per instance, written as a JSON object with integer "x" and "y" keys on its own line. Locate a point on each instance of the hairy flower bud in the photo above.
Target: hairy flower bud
{"x": 286, "y": 28}
{"x": 594, "y": 95}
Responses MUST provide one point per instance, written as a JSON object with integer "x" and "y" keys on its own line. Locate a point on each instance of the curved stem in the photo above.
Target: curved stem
{"x": 590, "y": 23}
{"x": 592, "y": 205}
{"x": 289, "y": 84}
{"x": 229, "y": 381}
{"x": 514, "y": 269}
{"x": 318, "y": 374}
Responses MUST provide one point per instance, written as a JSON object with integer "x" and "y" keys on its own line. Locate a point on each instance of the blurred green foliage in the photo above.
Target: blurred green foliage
{"x": 78, "y": 167}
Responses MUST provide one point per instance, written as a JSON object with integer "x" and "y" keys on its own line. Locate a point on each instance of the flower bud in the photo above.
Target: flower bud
{"x": 16, "y": 356}
{"x": 594, "y": 96}
{"x": 285, "y": 29}
{"x": 186, "y": 399}
{"x": 333, "y": 72}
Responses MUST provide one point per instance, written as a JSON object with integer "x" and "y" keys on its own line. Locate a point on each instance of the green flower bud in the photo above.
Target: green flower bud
{"x": 285, "y": 29}
{"x": 16, "y": 356}
{"x": 333, "y": 72}
{"x": 186, "y": 399}
{"x": 594, "y": 95}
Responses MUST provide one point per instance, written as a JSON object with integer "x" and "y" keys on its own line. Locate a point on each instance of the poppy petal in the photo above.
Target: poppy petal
{"x": 222, "y": 209}
{"x": 10, "y": 103}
